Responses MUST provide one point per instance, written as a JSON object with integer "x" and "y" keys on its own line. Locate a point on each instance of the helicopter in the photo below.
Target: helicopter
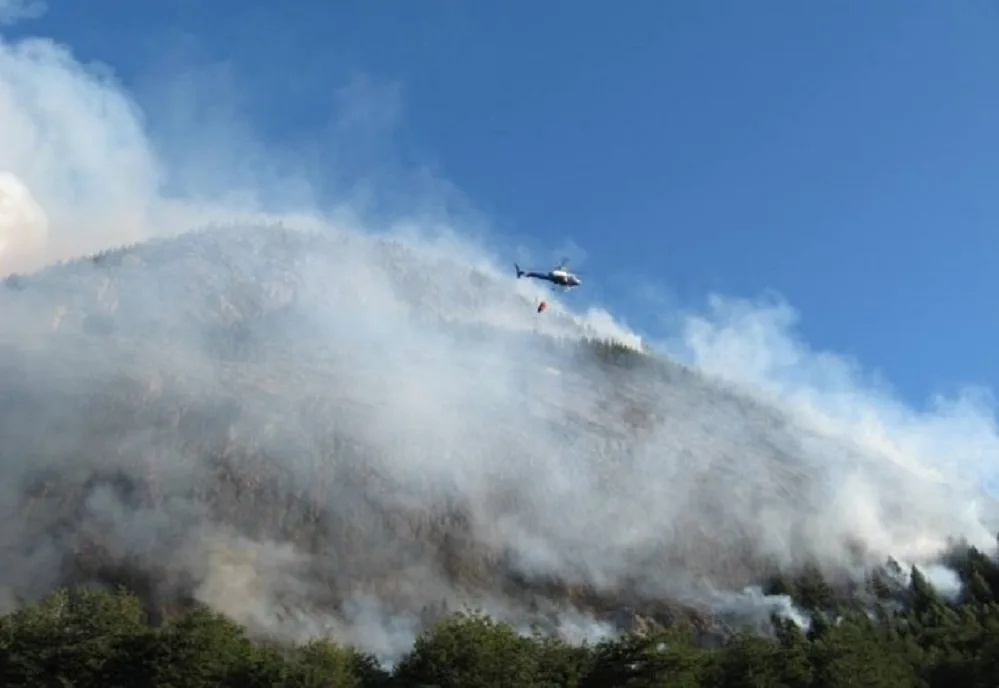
{"x": 559, "y": 276}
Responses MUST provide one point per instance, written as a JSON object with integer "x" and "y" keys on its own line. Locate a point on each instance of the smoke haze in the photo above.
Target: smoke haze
{"x": 316, "y": 425}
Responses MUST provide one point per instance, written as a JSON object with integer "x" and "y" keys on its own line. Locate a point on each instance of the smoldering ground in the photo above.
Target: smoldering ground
{"x": 326, "y": 431}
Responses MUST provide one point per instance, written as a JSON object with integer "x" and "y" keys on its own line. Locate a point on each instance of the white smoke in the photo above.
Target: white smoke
{"x": 23, "y": 224}
{"x": 953, "y": 444}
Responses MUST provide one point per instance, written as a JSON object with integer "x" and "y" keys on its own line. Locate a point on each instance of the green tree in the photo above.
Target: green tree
{"x": 469, "y": 650}
{"x": 852, "y": 652}
{"x": 324, "y": 663}
{"x": 812, "y": 592}
{"x": 558, "y": 663}
{"x": 634, "y": 660}
{"x": 68, "y": 638}
{"x": 199, "y": 648}
{"x": 912, "y": 636}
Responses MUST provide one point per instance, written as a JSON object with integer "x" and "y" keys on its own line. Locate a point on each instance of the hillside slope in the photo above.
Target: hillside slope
{"x": 337, "y": 433}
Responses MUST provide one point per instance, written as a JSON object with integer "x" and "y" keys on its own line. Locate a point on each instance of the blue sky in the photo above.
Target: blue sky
{"x": 844, "y": 154}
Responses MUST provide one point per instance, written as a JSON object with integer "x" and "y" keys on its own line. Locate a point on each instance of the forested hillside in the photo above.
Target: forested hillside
{"x": 910, "y": 637}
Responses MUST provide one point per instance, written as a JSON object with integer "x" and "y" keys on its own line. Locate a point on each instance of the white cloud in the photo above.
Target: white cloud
{"x": 13, "y": 11}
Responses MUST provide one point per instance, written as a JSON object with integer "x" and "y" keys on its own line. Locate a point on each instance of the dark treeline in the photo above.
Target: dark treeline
{"x": 908, "y": 636}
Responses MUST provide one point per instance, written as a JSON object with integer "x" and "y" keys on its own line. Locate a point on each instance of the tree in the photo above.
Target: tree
{"x": 200, "y": 648}
{"x": 69, "y": 637}
{"x": 469, "y": 650}
{"x": 914, "y": 637}
{"x": 645, "y": 660}
{"x": 324, "y": 663}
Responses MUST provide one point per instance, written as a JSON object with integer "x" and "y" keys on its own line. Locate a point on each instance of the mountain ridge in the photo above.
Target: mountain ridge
{"x": 316, "y": 432}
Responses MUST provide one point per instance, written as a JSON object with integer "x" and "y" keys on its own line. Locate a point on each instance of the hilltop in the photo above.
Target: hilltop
{"x": 335, "y": 433}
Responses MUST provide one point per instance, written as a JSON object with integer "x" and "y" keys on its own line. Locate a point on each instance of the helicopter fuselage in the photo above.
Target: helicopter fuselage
{"x": 563, "y": 278}
{"x": 559, "y": 276}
